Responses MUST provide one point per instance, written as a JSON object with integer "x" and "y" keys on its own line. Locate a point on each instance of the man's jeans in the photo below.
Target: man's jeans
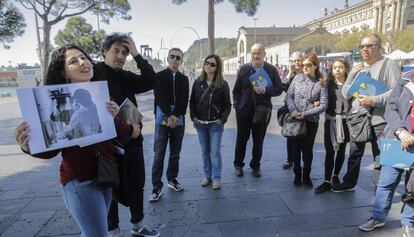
{"x": 388, "y": 182}
{"x": 161, "y": 136}
{"x": 209, "y": 136}
{"x": 356, "y": 151}
{"x": 89, "y": 204}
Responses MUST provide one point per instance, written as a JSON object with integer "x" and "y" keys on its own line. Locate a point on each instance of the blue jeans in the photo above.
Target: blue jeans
{"x": 161, "y": 135}
{"x": 89, "y": 204}
{"x": 210, "y": 136}
{"x": 388, "y": 182}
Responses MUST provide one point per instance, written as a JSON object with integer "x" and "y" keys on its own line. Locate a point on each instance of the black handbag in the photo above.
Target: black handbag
{"x": 360, "y": 127}
{"x": 262, "y": 114}
{"x": 107, "y": 171}
{"x": 294, "y": 127}
{"x": 282, "y": 114}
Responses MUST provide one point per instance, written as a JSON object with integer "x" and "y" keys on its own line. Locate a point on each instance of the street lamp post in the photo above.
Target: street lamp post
{"x": 255, "y": 19}
{"x": 198, "y": 36}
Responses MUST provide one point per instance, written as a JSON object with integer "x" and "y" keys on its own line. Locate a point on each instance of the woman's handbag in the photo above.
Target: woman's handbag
{"x": 360, "y": 127}
{"x": 282, "y": 114}
{"x": 262, "y": 114}
{"x": 294, "y": 127}
{"x": 107, "y": 171}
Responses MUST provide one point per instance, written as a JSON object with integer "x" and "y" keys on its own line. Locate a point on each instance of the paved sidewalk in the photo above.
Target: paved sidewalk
{"x": 270, "y": 206}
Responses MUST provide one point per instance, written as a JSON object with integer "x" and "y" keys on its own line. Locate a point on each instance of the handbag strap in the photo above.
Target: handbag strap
{"x": 204, "y": 95}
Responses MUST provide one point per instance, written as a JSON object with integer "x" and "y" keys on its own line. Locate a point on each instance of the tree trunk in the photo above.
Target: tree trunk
{"x": 46, "y": 47}
{"x": 210, "y": 42}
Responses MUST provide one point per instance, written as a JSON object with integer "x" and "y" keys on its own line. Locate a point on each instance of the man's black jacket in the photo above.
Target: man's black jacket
{"x": 124, "y": 84}
{"x": 171, "y": 92}
{"x": 244, "y": 97}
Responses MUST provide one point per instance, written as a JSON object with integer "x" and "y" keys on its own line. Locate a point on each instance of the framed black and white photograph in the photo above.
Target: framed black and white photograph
{"x": 66, "y": 115}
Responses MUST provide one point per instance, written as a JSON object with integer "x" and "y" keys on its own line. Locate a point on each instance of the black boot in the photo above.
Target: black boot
{"x": 306, "y": 178}
{"x": 298, "y": 177}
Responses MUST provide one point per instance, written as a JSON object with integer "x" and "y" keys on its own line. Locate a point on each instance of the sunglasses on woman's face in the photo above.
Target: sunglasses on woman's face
{"x": 172, "y": 56}
{"x": 307, "y": 65}
{"x": 211, "y": 64}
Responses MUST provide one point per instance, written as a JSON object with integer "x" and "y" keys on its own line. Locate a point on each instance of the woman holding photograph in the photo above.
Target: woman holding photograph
{"x": 210, "y": 107}
{"x": 87, "y": 201}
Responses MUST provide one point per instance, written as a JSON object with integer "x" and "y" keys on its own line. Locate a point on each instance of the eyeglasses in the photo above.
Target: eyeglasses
{"x": 369, "y": 46}
{"x": 172, "y": 56}
{"x": 307, "y": 65}
{"x": 211, "y": 64}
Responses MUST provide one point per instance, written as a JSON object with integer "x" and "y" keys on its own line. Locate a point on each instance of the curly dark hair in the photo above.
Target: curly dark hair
{"x": 56, "y": 70}
{"x": 113, "y": 38}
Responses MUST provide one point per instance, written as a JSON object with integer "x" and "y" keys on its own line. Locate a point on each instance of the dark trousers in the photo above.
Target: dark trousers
{"x": 245, "y": 125}
{"x": 134, "y": 156}
{"x": 330, "y": 159}
{"x": 290, "y": 148}
{"x": 161, "y": 136}
{"x": 303, "y": 147}
{"x": 356, "y": 151}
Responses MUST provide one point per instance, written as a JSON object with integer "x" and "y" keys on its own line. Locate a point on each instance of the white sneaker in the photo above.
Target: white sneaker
{"x": 205, "y": 182}
{"x": 115, "y": 233}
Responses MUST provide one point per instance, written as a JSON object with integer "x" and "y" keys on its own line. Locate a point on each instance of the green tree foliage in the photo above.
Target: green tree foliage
{"x": 79, "y": 32}
{"x": 405, "y": 41}
{"x": 347, "y": 40}
{"x": 249, "y": 7}
{"x": 12, "y": 23}
{"x": 225, "y": 48}
{"x": 53, "y": 11}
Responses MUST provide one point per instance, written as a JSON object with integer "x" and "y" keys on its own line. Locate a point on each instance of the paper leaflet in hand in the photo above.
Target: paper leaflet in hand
{"x": 393, "y": 155}
{"x": 130, "y": 112}
{"x": 260, "y": 78}
{"x": 162, "y": 119}
{"x": 364, "y": 84}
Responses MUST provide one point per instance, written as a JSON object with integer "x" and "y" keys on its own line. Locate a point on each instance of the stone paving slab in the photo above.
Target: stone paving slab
{"x": 269, "y": 206}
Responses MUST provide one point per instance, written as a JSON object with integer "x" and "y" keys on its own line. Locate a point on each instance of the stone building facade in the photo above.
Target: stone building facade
{"x": 380, "y": 15}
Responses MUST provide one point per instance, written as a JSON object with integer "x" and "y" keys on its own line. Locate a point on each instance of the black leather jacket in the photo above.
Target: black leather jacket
{"x": 215, "y": 104}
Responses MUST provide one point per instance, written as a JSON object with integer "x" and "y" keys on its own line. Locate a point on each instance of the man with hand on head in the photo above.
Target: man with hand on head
{"x": 125, "y": 84}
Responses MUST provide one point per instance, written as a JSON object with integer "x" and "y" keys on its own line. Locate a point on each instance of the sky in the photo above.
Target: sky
{"x": 156, "y": 22}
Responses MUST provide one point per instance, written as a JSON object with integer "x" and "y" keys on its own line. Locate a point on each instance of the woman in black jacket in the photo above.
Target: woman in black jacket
{"x": 210, "y": 107}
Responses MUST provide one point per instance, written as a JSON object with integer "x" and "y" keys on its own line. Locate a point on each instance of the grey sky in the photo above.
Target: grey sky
{"x": 153, "y": 20}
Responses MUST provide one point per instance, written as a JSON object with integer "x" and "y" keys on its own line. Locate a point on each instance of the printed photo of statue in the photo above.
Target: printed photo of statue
{"x": 84, "y": 120}
{"x": 66, "y": 115}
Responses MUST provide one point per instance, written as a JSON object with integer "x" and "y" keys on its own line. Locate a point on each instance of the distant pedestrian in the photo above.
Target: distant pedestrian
{"x": 210, "y": 107}
{"x": 249, "y": 100}
{"x": 304, "y": 90}
{"x": 171, "y": 100}
{"x": 87, "y": 201}
{"x": 336, "y": 133}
